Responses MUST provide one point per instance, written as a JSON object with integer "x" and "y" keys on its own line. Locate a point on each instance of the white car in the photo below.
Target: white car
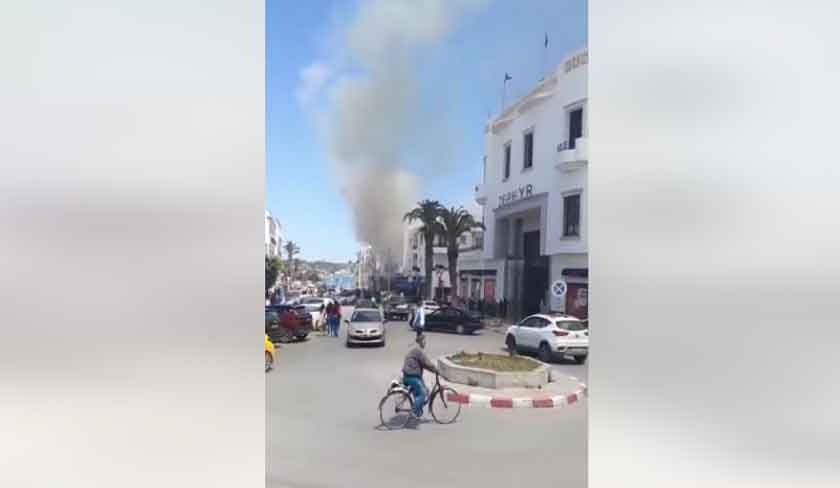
{"x": 366, "y": 326}
{"x": 313, "y": 305}
{"x": 551, "y": 336}
{"x": 429, "y": 306}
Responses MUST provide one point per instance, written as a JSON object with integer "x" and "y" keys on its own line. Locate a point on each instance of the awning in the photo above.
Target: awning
{"x": 576, "y": 272}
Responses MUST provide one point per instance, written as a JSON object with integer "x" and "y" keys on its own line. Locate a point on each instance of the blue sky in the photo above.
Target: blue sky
{"x": 463, "y": 73}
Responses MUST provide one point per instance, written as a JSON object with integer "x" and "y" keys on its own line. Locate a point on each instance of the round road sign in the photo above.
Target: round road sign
{"x": 558, "y": 288}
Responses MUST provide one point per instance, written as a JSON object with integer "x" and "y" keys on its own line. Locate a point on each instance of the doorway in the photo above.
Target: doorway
{"x": 535, "y": 273}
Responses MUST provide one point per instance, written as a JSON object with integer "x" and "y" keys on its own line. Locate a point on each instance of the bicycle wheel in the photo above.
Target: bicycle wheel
{"x": 444, "y": 409}
{"x": 395, "y": 409}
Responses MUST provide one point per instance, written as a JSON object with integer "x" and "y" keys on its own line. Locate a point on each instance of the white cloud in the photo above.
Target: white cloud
{"x": 312, "y": 80}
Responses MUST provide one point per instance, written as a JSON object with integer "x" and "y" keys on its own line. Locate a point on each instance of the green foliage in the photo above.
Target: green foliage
{"x": 428, "y": 213}
{"x": 273, "y": 268}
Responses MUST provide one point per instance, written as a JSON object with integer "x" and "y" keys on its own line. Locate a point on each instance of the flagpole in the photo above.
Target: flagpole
{"x": 504, "y": 88}
{"x": 545, "y": 51}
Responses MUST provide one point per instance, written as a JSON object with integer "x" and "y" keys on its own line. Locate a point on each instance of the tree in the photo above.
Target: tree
{"x": 273, "y": 268}
{"x": 291, "y": 249}
{"x": 454, "y": 223}
{"x": 428, "y": 213}
{"x": 312, "y": 276}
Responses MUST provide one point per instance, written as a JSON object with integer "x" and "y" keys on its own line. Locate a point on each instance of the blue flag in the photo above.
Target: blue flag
{"x": 508, "y": 77}
{"x": 546, "y": 39}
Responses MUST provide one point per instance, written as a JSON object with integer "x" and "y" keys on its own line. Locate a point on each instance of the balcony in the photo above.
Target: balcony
{"x": 569, "y": 160}
{"x": 480, "y": 194}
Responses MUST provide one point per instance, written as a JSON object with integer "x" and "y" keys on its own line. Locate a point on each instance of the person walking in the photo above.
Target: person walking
{"x": 328, "y": 321}
{"x": 418, "y": 323}
{"x": 334, "y": 318}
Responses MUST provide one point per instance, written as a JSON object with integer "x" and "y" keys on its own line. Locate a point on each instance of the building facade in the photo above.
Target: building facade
{"x": 534, "y": 199}
{"x": 272, "y": 235}
{"x": 414, "y": 257}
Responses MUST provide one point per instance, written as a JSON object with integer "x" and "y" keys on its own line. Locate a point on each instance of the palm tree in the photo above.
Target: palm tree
{"x": 427, "y": 212}
{"x": 291, "y": 249}
{"x": 454, "y": 223}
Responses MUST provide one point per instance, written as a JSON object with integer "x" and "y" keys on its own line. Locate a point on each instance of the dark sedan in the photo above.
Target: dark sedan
{"x": 452, "y": 319}
{"x": 284, "y": 323}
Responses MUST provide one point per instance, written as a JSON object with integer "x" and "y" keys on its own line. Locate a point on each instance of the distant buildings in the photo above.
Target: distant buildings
{"x": 414, "y": 257}
{"x": 272, "y": 235}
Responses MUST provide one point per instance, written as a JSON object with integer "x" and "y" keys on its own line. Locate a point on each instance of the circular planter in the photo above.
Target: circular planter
{"x": 487, "y": 378}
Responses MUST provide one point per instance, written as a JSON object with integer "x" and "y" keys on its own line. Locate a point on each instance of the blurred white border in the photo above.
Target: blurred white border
{"x": 715, "y": 244}
{"x": 131, "y": 201}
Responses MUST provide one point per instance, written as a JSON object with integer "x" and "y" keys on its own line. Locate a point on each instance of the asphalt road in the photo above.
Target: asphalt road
{"x": 323, "y": 424}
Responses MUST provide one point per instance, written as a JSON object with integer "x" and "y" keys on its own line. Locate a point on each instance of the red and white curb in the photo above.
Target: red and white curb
{"x": 523, "y": 402}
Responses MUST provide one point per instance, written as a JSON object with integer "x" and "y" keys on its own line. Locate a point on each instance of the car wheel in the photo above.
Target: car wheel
{"x": 545, "y": 353}
{"x": 460, "y": 329}
{"x": 510, "y": 341}
{"x": 580, "y": 359}
{"x": 284, "y": 335}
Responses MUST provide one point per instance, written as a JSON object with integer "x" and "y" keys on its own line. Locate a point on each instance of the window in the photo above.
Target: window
{"x": 571, "y": 215}
{"x": 575, "y": 126}
{"x": 366, "y": 316}
{"x": 506, "y": 160}
{"x": 484, "y": 170}
{"x": 528, "y": 150}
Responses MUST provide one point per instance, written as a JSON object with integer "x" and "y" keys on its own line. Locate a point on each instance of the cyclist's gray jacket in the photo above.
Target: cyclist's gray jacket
{"x": 415, "y": 361}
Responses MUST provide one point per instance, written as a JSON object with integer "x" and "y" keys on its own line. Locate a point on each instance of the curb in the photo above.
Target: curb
{"x": 555, "y": 401}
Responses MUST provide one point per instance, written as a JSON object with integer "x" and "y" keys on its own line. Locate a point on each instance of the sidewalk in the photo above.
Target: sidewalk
{"x": 496, "y": 325}
{"x": 561, "y": 391}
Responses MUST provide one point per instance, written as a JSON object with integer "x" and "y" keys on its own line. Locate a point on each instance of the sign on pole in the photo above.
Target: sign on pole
{"x": 558, "y": 288}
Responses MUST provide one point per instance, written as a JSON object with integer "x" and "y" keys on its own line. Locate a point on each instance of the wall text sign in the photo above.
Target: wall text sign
{"x": 576, "y": 61}
{"x": 521, "y": 193}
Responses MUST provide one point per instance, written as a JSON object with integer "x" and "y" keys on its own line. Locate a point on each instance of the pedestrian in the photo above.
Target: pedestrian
{"x": 419, "y": 321}
{"x": 322, "y": 319}
{"x": 328, "y": 311}
{"x": 332, "y": 319}
{"x": 337, "y": 321}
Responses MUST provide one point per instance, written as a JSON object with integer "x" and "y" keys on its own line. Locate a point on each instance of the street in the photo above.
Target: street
{"x": 322, "y": 423}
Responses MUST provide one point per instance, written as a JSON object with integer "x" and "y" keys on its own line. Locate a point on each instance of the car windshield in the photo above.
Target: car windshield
{"x": 573, "y": 325}
{"x": 366, "y": 316}
{"x": 397, "y": 301}
{"x": 310, "y": 301}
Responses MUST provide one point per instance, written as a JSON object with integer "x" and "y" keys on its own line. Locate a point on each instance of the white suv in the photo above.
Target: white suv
{"x": 550, "y": 336}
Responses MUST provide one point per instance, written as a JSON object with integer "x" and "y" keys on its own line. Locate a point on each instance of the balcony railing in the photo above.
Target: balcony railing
{"x": 480, "y": 194}
{"x": 572, "y": 159}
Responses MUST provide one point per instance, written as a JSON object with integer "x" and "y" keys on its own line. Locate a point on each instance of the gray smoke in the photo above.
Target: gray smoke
{"x": 377, "y": 115}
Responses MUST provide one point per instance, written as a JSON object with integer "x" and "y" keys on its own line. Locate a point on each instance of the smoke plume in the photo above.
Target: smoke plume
{"x": 376, "y": 115}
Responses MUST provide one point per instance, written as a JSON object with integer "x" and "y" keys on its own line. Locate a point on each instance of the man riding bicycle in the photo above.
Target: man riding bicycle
{"x": 415, "y": 362}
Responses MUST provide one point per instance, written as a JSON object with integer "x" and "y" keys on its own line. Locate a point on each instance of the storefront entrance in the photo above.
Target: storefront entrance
{"x": 535, "y": 274}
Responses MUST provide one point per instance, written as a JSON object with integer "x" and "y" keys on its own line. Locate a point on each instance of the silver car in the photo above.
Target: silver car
{"x": 366, "y": 326}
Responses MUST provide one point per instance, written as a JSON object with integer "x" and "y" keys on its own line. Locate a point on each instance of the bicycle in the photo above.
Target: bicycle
{"x": 396, "y": 406}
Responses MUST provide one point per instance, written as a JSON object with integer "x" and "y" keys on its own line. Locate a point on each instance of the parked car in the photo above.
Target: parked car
{"x": 365, "y": 326}
{"x": 269, "y": 354}
{"x": 284, "y": 323}
{"x": 551, "y": 336}
{"x": 429, "y": 305}
{"x": 397, "y": 308}
{"x": 365, "y": 303}
{"x": 313, "y": 304}
{"x": 451, "y": 319}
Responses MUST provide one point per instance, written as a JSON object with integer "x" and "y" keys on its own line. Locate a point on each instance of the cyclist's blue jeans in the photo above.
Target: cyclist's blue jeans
{"x": 418, "y": 390}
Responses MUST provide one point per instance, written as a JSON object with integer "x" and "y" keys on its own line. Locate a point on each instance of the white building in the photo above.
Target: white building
{"x": 534, "y": 198}
{"x": 272, "y": 235}
{"x": 414, "y": 256}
